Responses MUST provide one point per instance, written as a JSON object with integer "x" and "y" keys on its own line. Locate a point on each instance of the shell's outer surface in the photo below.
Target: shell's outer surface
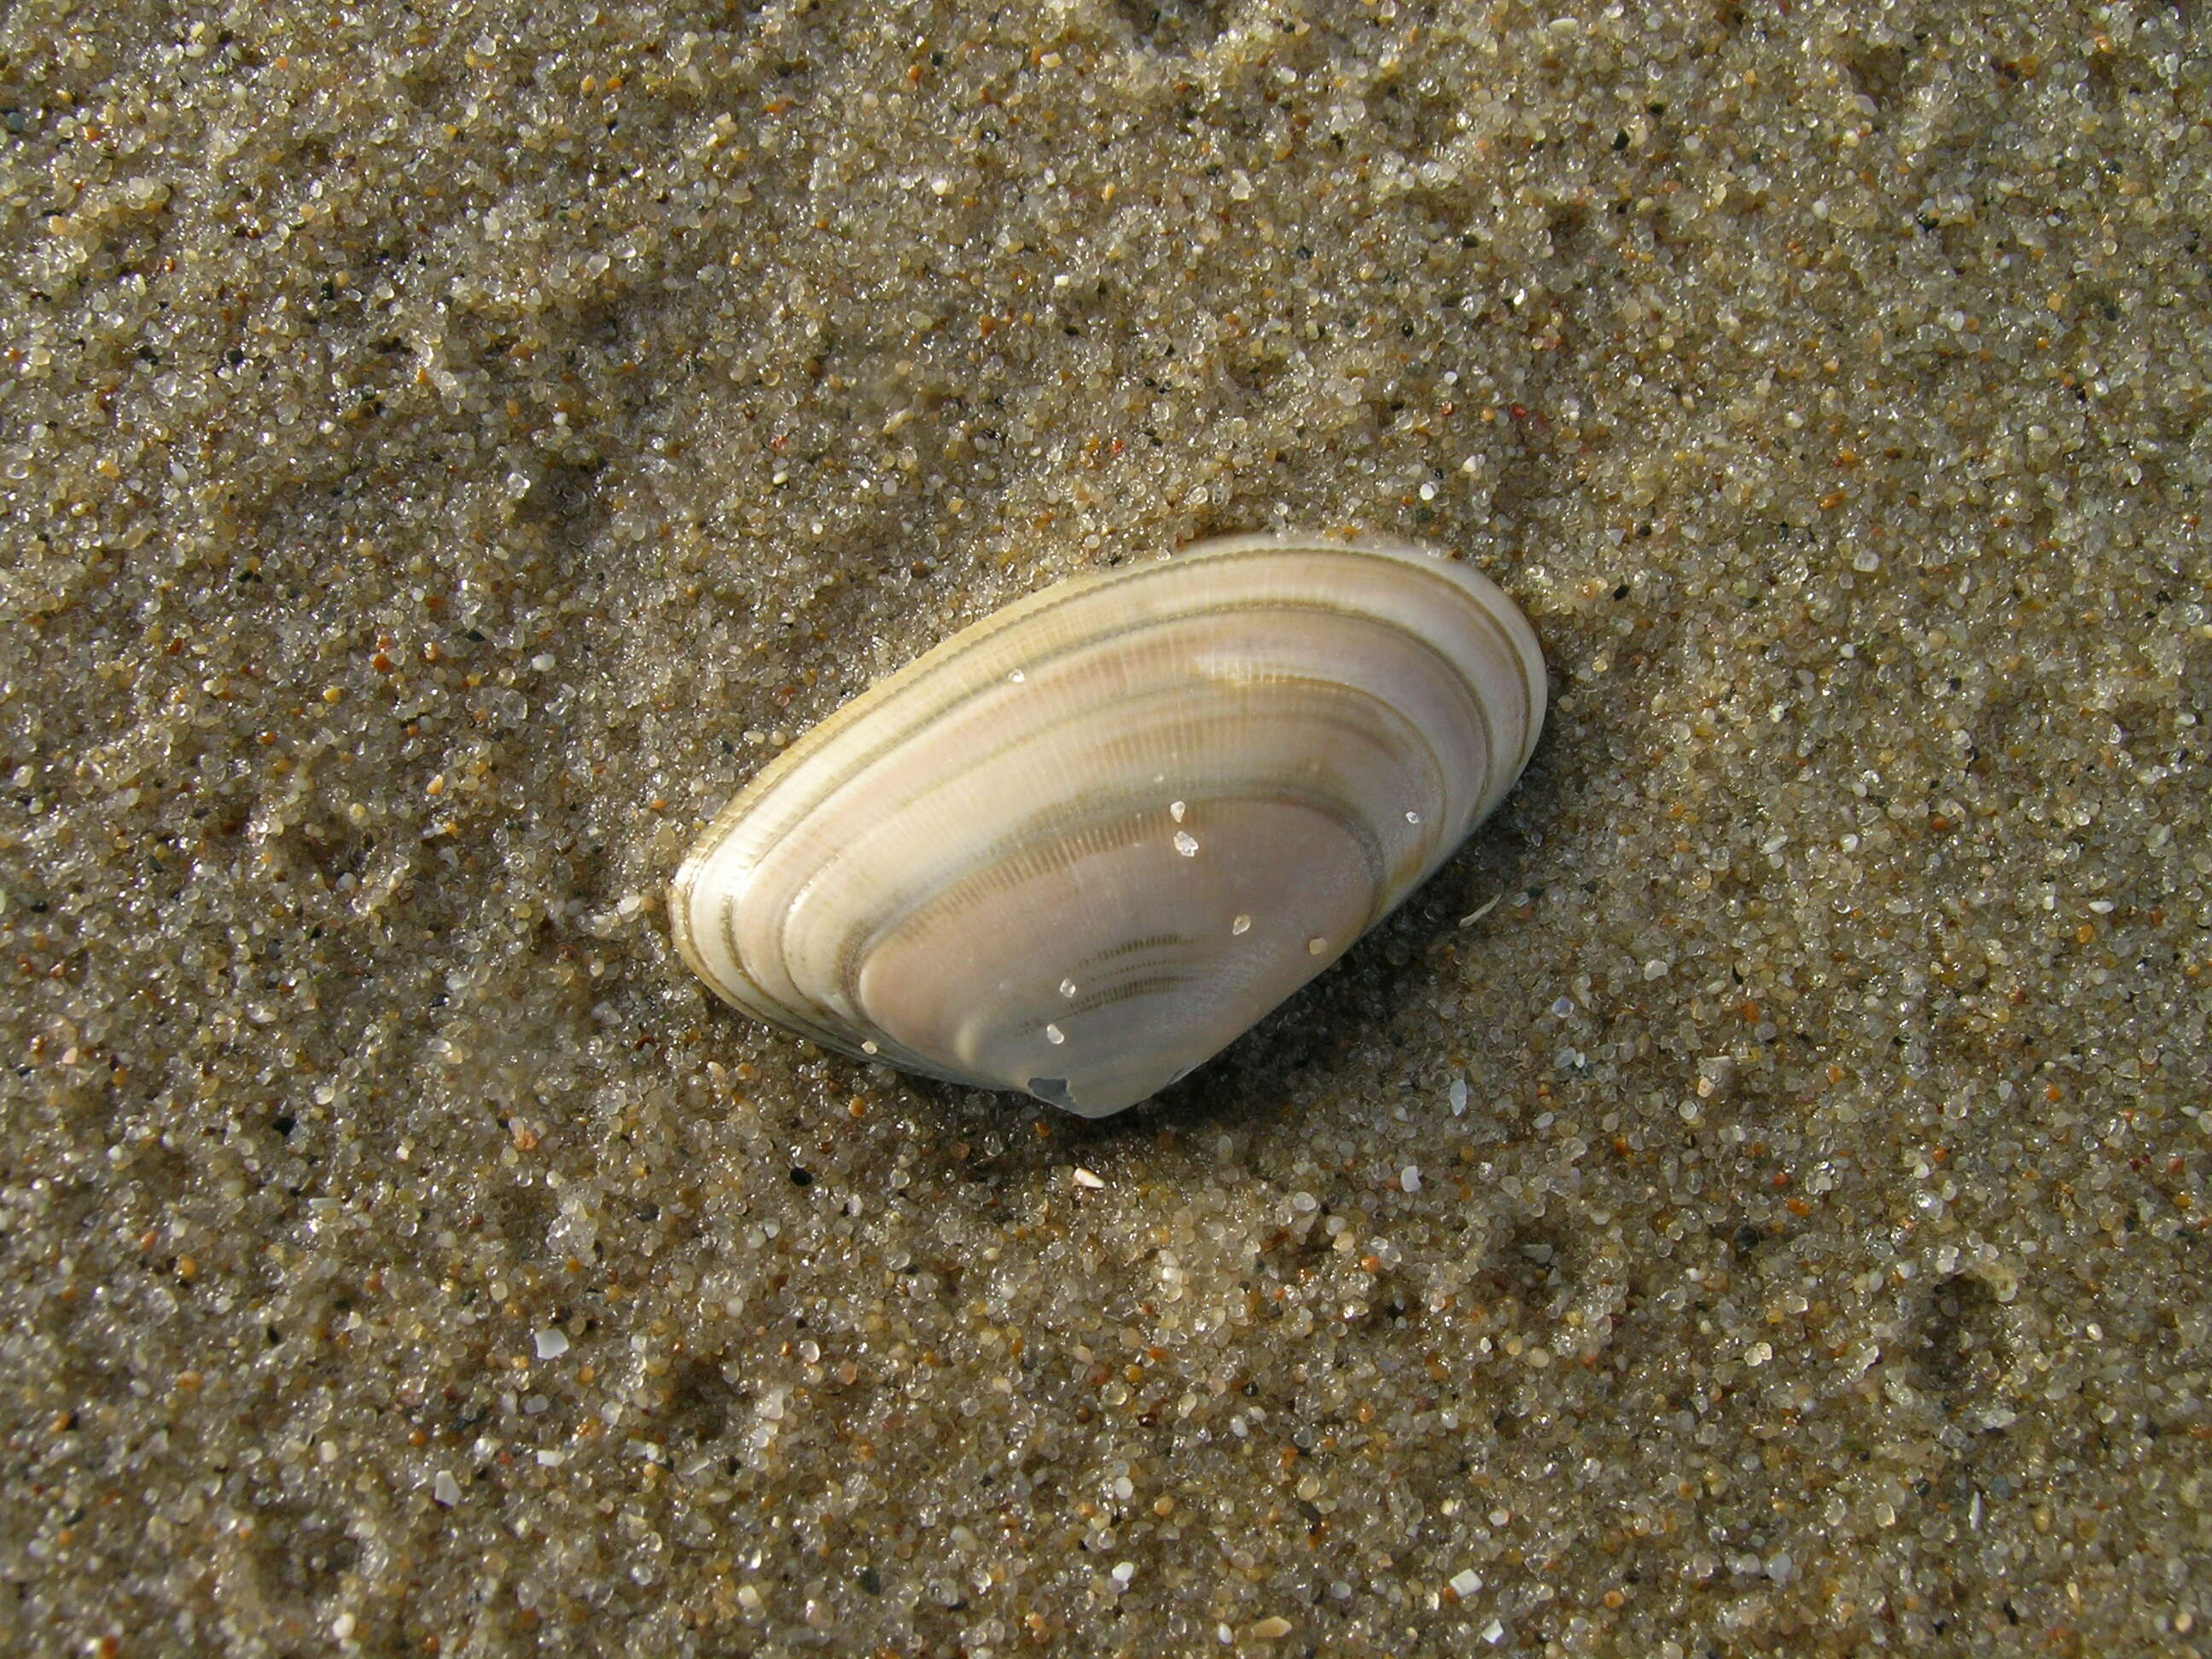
{"x": 1086, "y": 843}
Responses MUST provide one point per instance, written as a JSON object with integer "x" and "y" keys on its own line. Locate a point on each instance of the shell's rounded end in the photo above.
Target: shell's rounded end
{"x": 682, "y": 886}
{"x": 702, "y": 897}
{"x": 679, "y": 917}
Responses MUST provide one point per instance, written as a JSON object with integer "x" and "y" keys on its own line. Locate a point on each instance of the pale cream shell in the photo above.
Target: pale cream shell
{"x": 1085, "y": 844}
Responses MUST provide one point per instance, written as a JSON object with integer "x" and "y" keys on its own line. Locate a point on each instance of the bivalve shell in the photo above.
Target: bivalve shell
{"x": 1084, "y": 845}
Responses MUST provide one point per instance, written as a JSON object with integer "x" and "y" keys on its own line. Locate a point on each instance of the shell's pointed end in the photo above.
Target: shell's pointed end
{"x": 1054, "y": 1092}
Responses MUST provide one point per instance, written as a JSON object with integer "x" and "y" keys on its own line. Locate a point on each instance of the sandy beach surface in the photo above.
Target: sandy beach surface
{"x": 1752, "y": 1202}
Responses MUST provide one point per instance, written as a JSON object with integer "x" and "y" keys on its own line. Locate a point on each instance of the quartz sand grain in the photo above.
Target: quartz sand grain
{"x": 446, "y": 450}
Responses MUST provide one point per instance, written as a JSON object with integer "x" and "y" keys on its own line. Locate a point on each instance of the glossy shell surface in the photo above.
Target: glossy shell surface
{"x": 1085, "y": 844}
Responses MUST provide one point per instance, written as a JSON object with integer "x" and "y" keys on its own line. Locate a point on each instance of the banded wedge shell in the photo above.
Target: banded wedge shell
{"x": 1082, "y": 846}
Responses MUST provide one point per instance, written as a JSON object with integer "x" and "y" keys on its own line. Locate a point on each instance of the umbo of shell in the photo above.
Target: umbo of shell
{"x": 1084, "y": 845}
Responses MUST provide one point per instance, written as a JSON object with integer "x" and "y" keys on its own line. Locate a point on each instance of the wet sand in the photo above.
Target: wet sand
{"x": 1752, "y": 1201}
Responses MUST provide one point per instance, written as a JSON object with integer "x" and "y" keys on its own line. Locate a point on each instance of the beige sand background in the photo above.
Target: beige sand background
{"x": 447, "y": 449}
